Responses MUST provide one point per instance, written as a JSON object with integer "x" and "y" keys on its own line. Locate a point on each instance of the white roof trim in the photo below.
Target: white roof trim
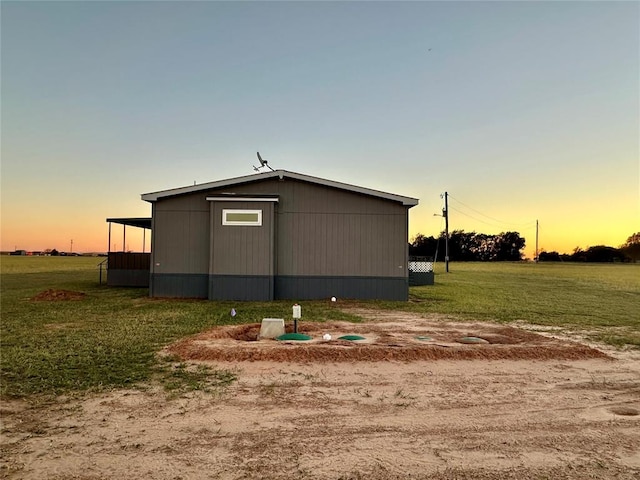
{"x": 229, "y": 198}
{"x": 282, "y": 174}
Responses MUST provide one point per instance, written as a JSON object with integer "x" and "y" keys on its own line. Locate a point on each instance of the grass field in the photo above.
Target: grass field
{"x": 110, "y": 337}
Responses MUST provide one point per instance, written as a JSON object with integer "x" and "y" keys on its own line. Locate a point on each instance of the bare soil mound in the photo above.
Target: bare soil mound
{"x": 55, "y": 295}
{"x": 382, "y": 341}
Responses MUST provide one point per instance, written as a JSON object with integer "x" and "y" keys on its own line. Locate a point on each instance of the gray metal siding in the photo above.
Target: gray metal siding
{"x": 242, "y": 264}
{"x": 325, "y": 240}
{"x": 346, "y": 244}
{"x": 180, "y": 285}
{"x": 128, "y": 278}
{"x": 298, "y": 196}
{"x": 241, "y": 288}
{"x": 362, "y": 288}
{"x": 181, "y": 242}
{"x": 241, "y": 250}
{"x": 421, "y": 278}
{"x": 325, "y": 231}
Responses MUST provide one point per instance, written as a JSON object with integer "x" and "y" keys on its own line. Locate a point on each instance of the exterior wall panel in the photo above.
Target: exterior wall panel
{"x": 325, "y": 231}
{"x": 198, "y": 255}
{"x": 324, "y": 241}
{"x": 241, "y": 288}
{"x": 241, "y": 250}
{"x": 128, "y": 278}
{"x": 169, "y": 234}
{"x": 187, "y": 203}
{"x": 242, "y": 264}
{"x": 314, "y": 288}
{"x": 181, "y": 242}
{"x": 176, "y": 285}
{"x": 321, "y": 244}
{"x": 128, "y": 269}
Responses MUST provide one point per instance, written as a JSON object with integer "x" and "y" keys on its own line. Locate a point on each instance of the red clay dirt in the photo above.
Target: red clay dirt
{"x": 57, "y": 295}
{"x": 384, "y": 340}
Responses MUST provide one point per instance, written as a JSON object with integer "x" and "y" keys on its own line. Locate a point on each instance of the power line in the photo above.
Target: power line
{"x": 472, "y": 217}
{"x": 477, "y": 211}
{"x": 509, "y": 224}
{"x": 528, "y": 224}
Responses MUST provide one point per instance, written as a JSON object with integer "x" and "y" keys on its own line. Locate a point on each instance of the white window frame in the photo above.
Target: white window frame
{"x": 257, "y": 223}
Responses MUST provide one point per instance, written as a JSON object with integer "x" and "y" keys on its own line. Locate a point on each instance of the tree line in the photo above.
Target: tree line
{"x": 627, "y": 252}
{"x": 470, "y": 246}
{"x": 508, "y": 246}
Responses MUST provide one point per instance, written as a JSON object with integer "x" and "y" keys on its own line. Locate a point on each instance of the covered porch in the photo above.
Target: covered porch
{"x": 128, "y": 268}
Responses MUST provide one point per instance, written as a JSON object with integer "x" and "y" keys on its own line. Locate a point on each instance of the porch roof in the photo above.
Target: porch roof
{"x": 140, "y": 222}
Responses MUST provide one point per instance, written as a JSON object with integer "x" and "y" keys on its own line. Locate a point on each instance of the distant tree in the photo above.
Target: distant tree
{"x": 422, "y": 246}
{"x": 484, "y": 247}
{"x": 508, "y": 246}
{"x": 462, "y": 246}
{"x": 54, "y": 252}
{"x": 549, "y": 257}
{"x": 603, "y": 253}
{"x": 631, "y": 248}
{"x": 480, "y": 247}
{"x": 598, "y": 253}
{"x": 578, "y": 255}
{"x": 633, "y": 239}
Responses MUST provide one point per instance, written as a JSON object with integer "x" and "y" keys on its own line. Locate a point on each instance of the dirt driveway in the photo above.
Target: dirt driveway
{"x": 409, "y": 401}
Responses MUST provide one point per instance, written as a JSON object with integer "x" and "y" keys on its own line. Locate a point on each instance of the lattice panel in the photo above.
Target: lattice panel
{"x": 420, "y": 266}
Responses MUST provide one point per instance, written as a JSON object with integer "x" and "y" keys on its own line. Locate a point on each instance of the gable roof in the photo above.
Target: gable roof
{"x": 281, "y": 174}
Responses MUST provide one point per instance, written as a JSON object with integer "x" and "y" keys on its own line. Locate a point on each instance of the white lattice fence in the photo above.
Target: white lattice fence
{"x": 420, "y": 264}
{"x": 421, "y": 271}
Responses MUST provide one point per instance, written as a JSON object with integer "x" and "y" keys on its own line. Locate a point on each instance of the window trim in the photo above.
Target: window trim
{"x": 232, "y": 223}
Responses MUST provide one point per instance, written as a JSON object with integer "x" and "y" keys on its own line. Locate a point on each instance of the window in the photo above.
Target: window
{"x": 251, "y": 218}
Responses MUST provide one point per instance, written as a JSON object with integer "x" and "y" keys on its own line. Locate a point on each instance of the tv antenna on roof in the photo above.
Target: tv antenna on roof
{"x": 263, "y": 163}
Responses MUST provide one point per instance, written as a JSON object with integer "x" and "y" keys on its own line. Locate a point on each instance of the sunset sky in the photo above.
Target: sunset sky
{"x": 521, "y": 111}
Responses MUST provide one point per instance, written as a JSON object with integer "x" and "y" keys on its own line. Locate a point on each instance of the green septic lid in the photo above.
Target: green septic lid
{"x": 472, "y": 340}
{"x": 424, "y": 339}
{"x": 351, "y": 338}
{"x": 294, "y": 336}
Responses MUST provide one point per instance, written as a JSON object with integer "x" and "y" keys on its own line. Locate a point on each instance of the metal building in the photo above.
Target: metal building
{"x": 279, "y": 235}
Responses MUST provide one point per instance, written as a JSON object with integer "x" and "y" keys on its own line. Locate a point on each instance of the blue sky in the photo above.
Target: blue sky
{"x": 520, "y": 110}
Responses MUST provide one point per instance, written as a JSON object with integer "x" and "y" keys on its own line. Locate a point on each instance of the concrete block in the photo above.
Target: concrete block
{"x": 271, "y": 328}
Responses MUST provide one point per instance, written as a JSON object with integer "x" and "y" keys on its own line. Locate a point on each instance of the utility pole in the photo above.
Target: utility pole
{"x": 445, "y": 214}
{"x": 71, "y": 245}
{"x": 536, "y": 241}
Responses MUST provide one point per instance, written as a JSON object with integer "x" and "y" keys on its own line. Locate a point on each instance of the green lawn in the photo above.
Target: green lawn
{"x": 580, "y": 295}
{"x": 109, "y": 338}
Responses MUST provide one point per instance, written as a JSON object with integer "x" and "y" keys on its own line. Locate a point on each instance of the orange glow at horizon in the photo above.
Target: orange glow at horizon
{"x": 554, "y": 233}
{"x": 92, "y": 234}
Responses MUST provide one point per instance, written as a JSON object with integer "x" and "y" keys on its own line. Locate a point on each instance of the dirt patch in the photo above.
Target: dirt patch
{"x": 56, "y": 295}
{"x": 350, "y": 419}
{"x": 626, "y": 411}
{"x": 421, "y": 339}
